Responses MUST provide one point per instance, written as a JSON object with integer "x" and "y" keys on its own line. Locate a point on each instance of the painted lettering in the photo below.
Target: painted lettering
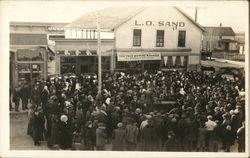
{"x": 149, "y": 23}
{"x": 136, "y": 24}
{"x": 174, "y": 24}
{"x": 161, "y": 23}
{"x": 181, "y": 24}
{"x": 168, "y": 24}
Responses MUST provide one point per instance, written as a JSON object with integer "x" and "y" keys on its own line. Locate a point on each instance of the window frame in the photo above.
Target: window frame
{"x": 160, "y": 42}
{"x": 136, "y": 38}
{"x": 182, "y": 43}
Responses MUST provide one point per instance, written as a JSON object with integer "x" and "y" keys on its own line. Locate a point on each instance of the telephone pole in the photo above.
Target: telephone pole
{"x": 99, "y": 56}
{"x": 196, "y": 11}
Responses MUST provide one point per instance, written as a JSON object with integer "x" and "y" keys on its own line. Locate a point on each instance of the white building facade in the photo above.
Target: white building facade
{"x": 142, "y": 38}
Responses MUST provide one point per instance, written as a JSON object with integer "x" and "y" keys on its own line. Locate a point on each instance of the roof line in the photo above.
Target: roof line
{"x": 191, "y": 19}
{"x": 130, "y": 17}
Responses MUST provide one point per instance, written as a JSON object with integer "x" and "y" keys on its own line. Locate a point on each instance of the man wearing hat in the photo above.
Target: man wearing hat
{"x": 172, "y": 144}
{"x": 131, "y": 136}
{"x": 118, "y": 138}
{"x": 101, "y": 137}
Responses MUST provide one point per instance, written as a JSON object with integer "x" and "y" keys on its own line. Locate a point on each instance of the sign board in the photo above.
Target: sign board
{"x": 137, "y": 56}
{"x": 51, "y": 67}
{"x": 160, "y": 23}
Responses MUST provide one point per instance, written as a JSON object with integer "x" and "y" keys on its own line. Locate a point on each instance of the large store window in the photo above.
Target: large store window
{"x": 68, "y": 65}
{"x": 182, "y": 39}
{"x": 29, "y": 71}
{"x": 160, "y": 38}
{"x": 105, "y": 63}
{"x": 137, "y": 37}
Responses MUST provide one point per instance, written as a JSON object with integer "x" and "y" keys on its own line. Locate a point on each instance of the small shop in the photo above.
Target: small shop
{"x": 28, "y": 64}
{"x": 81, "y": 61}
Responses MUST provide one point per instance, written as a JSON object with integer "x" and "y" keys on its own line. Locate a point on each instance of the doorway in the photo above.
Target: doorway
{"x": 84, "y": 68}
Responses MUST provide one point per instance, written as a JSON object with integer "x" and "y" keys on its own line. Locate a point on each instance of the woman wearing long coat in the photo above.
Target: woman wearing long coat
{"x": 65, "y": 141}
{"x": 148, "y": 138}
{"x": 38, "y": 127}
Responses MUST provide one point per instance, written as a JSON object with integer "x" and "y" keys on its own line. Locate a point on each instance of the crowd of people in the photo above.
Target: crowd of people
{"x": 207, "y": 111}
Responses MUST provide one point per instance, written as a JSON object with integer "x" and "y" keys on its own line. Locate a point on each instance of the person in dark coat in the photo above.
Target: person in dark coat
{"x": 44, "y": 96}
{"x": 101, "y": 136}
{"x": 172, "y": 144}
{"x": 54, "y": 136}
{"x": 241, "y": 138}
{"x": 31, "y": 113}
{"x": 24, "y": 93}
{"x": 64, "y": 133}
{"x": 16, "y": 98}
{"x": 90, "y": 136}
{"x": 131, "y": 136}
{"x": 35, "y": 96}
{"x": 148, "y": 137}
{"x": 118, "y": 138}
{"x": 38, "y": 127}
{"x": 227, "y": 138}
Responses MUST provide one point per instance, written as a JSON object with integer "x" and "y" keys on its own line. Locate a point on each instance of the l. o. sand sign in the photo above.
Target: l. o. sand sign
{"x": 173, "y": 24}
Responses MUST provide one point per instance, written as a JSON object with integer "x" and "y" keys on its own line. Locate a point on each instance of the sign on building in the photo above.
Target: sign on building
{"x": 137, "y": 56}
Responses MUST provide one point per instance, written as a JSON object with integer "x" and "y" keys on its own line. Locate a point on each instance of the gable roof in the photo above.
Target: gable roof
{"x": 219, "y": 31}
{"x": 109, "y": 18}
{"x": 112, "y": 17}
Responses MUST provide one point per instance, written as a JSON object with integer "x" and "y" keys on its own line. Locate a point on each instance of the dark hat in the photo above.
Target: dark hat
{"x": 171, "y": 133}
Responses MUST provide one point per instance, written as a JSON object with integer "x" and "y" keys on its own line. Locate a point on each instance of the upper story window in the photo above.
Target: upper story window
{"x": 160, "y": 38}
{"x": 137, "y": 37}
{"x": 181, "y": 38}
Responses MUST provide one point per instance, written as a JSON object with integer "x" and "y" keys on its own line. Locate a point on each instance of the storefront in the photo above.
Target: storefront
{"x": 28, "y": 65}
{"x": 145, "y": 38}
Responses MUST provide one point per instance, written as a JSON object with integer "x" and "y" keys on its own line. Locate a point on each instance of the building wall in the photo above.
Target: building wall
{"x": 63, "y": 44}
{"x": 83, "y": 45}
{"x": 124, "y": 33}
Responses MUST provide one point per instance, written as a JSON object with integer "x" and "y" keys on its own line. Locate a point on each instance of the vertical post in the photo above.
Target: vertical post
{"x": 196, "y": 11}
{"x": 99, "y": 57}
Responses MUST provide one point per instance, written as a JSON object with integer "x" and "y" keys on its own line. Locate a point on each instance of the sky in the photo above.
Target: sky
{"x": 211, "y": 13}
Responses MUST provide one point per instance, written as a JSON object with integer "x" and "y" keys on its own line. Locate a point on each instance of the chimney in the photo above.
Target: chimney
{"x": 220, "y": 24}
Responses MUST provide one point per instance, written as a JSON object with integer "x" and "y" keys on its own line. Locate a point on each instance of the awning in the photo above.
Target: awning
{"x": 227, "y": 41}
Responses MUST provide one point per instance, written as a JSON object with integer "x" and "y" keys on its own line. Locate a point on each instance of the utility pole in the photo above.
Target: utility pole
{"x": 99, "y": 56}
{"x": 196, "y": 11}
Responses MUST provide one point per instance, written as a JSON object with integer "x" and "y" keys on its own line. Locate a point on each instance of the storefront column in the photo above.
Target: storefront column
{"x": 45, "y": 65}
{"x": 58, "y": 64}
{"x": 112, "y": 62}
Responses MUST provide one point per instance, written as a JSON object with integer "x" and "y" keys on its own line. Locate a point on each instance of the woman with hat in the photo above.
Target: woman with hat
{"x": 64, "y": 130}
